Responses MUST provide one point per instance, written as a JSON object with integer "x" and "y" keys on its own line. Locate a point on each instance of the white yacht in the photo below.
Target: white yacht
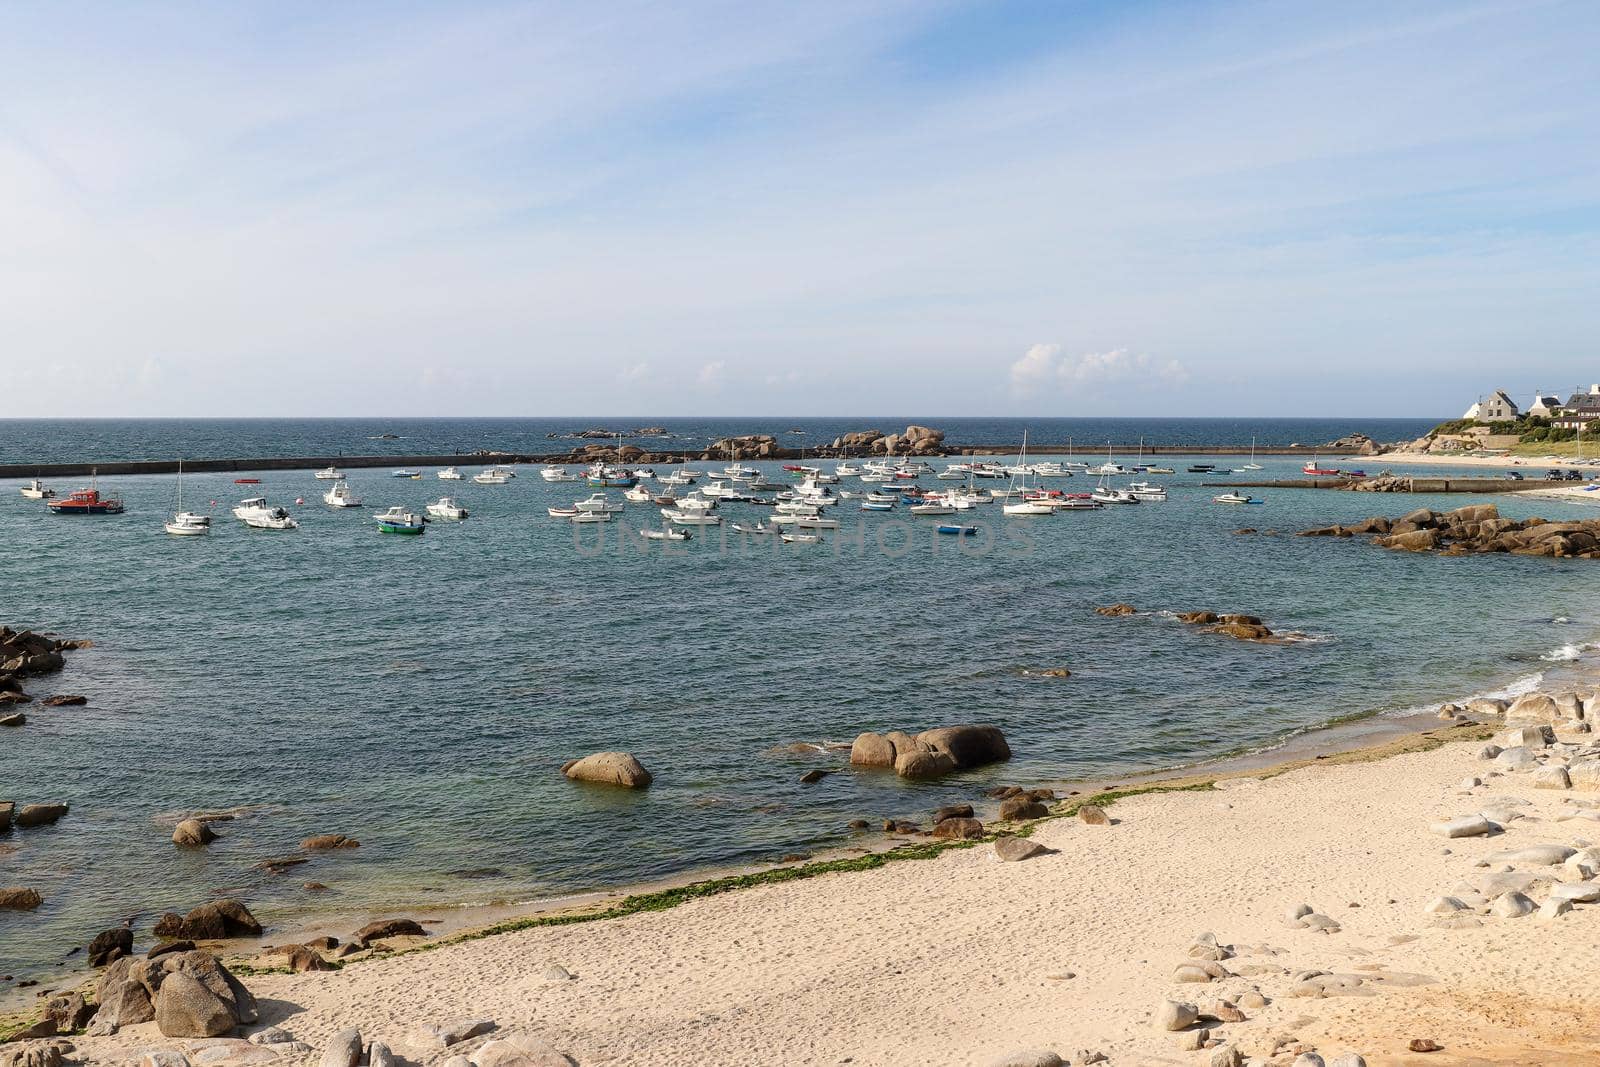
{"x": 1024, "y": 506}
{"x": 676, "y": 478}
{"x": 257, "y": 513}
{"x": 557, "y": 474}
{"x": 187, "y": 523}
{"x": 638, "y": 495}
{"x": 36, "y": 490}
{"x": 446, "y": 508}
{"x": 589, "y": 516}
{"x": 450, "y": 474}
{"x": 492, "y": 476}
{"x": 845, "y": 470}
{"x": 1148, "y": 491}
{"x": 340, "y": 495}
{"x": 329, "y": 474}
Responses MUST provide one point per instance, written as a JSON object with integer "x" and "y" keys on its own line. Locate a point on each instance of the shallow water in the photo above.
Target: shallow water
{"x": 422, "y": 693}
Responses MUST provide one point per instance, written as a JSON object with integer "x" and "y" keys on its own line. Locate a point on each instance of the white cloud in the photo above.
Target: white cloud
{"x": 1043, "y": 365}
{"x": 711, "y": 374}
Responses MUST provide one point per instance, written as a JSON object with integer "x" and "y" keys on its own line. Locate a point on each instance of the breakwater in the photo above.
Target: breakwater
{"x": 657, "y": 456}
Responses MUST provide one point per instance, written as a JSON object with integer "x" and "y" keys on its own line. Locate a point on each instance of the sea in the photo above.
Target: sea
{"x": 421, "y": 693}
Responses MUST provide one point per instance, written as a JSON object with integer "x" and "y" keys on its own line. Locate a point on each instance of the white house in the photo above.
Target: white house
{"x": 1497, "y": 408}
{"x": 1544, "y": 406}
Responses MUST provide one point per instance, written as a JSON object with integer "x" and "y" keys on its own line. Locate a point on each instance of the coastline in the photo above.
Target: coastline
{"x": 961, "y": 958}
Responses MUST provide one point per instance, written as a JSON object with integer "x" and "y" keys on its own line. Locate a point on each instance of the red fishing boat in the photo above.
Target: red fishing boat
{"x": 1319, "y": 472}
{"x": 85, "y": 502}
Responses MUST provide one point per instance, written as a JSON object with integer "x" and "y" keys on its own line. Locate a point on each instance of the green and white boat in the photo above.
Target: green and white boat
{"x": 397, "y": 520}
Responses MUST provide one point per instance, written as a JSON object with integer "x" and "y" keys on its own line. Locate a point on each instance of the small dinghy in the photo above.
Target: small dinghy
{"x": 562, "y": 513}
{"x": 958, "y": 531}
{"x": 666, "y": 535}
{"x": 800, "y": 539}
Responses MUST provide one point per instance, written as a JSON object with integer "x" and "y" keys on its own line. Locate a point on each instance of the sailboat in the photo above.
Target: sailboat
{"x": 1024, "y": 506}
{"x": 187, "y": 523}
{"x": 1252, "y": 465}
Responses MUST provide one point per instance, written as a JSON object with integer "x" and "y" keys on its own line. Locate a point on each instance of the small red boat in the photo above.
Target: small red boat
{"x": 247, "y": 481}
{"x": 85, "y": 502}
{"x": 1315, "y": 471}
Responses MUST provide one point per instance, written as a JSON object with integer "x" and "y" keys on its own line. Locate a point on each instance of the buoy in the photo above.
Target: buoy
{"x": 299, "y": 500}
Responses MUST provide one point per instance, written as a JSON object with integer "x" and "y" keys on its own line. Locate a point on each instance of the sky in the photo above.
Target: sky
{"x": 1009, "y": 207}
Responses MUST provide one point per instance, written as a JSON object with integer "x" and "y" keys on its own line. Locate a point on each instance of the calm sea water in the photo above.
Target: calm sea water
{"x": 84, "y": 440}
{"x": 422, "y": 693}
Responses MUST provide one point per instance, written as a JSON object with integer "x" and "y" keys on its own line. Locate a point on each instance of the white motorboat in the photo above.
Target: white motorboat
{"x": 666, "y": 535}
{"x": 1028, "y": 507}
{"x": 36, "y": 490}
{"x": 598, "y": 502}
{"x": 1050, "y": 470}
{"x": 1105, "y": 494}
{"x": 692, "y": 502}
{"x": 1234, "y": 498}
{"x": 329, "y": 474}
{"x": 590, "y": 516}
{"x": 446, "y": 508}
{"x": 811, "y": 522}
{"x": 450, "y": 474}
{"x": 719, "y": 491}
{"x": 845, "y": 470}
{"x": 738, "y": 472}
{"x": 492, "y": 476}
{"x": 558, "y": 474}
{"x": 691, "y": 518}
{"x": 932, "y": 508}
{"x": 340, "y": 495}
{"x": 258, "y": 514}
{"x": 638, "y": 495}
{"x": 404, "y": 473}
{"x": 1148, "y": 491}
{"x": 675, "y": 478}
{"x": 800, "y": 539}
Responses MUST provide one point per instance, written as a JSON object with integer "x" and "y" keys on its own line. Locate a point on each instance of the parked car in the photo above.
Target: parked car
{"x": 1552, "y": 475}
{"x": 1515, "y": 476}
{"x": 1572, "y": 476}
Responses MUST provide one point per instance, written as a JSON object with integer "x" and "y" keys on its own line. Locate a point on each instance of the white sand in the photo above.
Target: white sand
{"x": 954, "y": 960}
{"x": 1537, "y": 464}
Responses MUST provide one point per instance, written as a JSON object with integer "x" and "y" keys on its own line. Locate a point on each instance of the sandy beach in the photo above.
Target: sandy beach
{"x": 1539, "y": 464}
{"x": 967, "y": 959}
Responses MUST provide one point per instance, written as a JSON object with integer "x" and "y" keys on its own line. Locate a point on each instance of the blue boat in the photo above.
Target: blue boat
{"x": 958, "y": 531}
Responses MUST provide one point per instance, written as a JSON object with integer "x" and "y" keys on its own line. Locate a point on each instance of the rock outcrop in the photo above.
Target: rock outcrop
{"x": 188, "y": 994}
{"x": 214, "y": 920}
{"x": 931, "y": 753}
{"x": 1475, "y": 529}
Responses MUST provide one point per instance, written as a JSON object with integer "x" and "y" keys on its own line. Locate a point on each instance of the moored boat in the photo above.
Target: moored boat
{"x": 446, "y": 508}
{"x": 1234, "y": 498}
{"x": 329, "y": 474}
{"x": 398, "y": 520}
{"x": 450, "y": 474}
{"x": 37, "y": 490}
{"x": 340, "y": 495}
{"x": 85, "y": 502}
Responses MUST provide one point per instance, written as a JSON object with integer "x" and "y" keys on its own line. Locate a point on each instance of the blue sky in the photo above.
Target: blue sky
{"x": 718, "y": 208}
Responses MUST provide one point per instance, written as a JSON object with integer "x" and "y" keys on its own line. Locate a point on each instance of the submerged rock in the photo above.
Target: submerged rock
{"x": 19, "y": 898}
{"x": 609, "y": 768}
{"x": 192, "y": 833}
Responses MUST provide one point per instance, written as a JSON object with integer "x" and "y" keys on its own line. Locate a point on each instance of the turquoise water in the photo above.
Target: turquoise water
{"x": 422, "y": 693}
